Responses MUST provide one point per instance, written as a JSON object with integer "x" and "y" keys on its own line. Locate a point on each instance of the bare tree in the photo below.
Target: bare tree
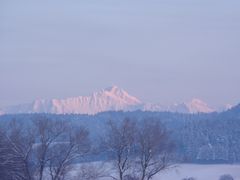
{"x": 10, "y": 162}
{"x": 59, "y": 146}
{"x": 15, "y": 150}
{"x": 49, "y": 132}
{"x": 92, "y": 172}
{"x": 46, "y": 147}
{"x": 131, "y": 177}
{"x": 154, "y": 149}
{"x": 74, "y": 145}
{"x": 119, "y": 142}
{"x": 28, "y": 147}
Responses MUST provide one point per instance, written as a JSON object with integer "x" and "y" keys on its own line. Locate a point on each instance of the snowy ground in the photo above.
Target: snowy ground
{"x": 200, "y": 172}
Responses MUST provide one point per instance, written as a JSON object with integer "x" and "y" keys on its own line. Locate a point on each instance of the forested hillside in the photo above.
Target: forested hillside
{"x": 198, "y": 138}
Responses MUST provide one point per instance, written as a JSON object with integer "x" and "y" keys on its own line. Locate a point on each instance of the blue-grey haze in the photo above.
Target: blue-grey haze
{"x": 158, "y": 50}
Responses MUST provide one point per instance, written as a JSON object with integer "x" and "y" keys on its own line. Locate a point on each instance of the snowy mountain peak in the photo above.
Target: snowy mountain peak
{"x": 113, "y": 89}
{"x": 109, "y": 99}
{"x": 121, "y": 94}
{"x": 197, "y": 105}
{"x": 197, "y": 101}
{"x": 194, "y": 106}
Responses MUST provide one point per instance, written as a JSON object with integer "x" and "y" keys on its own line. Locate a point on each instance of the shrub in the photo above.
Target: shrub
{"x": 226, "y": 177}
{"x": 189, "y": 178}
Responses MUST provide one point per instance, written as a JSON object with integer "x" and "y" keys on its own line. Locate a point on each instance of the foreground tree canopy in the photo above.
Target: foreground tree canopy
{"x": 50, "y": 149}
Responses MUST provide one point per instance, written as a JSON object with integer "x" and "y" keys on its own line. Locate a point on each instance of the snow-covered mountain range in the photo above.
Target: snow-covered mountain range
{"x": 109, "y": 99}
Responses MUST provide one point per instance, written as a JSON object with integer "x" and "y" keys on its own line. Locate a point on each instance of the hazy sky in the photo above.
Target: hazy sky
{"x": 158, "y": 50}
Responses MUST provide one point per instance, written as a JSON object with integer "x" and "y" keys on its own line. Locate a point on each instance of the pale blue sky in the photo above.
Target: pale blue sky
{"x": 159, "y": 50}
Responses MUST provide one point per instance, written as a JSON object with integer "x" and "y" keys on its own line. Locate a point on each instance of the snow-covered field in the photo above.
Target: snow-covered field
{"x": 200, "y": 172}
{"x": 197, "y": 171}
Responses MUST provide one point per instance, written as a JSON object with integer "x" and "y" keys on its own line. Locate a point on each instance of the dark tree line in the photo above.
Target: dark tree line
{"x": 199, "y": 138}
